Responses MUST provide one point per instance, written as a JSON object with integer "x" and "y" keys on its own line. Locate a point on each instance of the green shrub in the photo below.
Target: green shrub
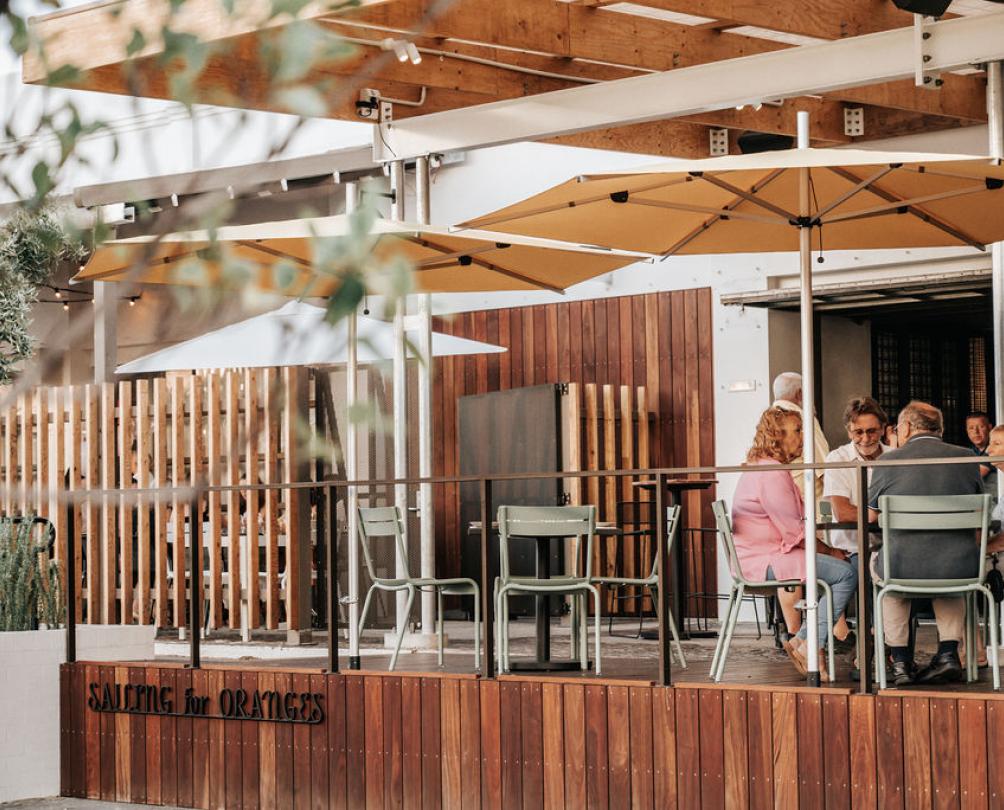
{"x": 30, "y": 590}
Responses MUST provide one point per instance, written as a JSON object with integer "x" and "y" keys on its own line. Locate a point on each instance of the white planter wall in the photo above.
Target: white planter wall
{"x": 29, "y": 698}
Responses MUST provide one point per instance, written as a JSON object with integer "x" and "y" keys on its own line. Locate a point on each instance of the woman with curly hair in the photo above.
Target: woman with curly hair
{"x": 768, "y": 523}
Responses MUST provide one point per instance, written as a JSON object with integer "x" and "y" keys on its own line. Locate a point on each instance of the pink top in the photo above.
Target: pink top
{"x": 768, "y": 525}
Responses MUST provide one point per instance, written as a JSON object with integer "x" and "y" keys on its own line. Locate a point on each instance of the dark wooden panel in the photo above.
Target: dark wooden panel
{"x": 185, "y": 754}
{"x": 319, "y": 753}
{"x": 233, "y": 760}
{"x": 266, "y": 751}
{"x": 664, "y": 747}
{"x": 250, "y": 763}
{"x": 889, "y": 751}
{"x": 785, "y": 732}
{"x": 864, "y": 755}
{"x": 432, "y": 771}
{"x": 945, "y": 752}
{"x": 78, "y": 752}
{"x": 200, "y": 744}
{"x": 470, "y": 744}
{"x": 761, "y": 748}
{"x": 392, "y": 744}
{"x": 640, "y": 741}
{"x": 917, "y": 752}
{"x": 553, "y": 731}
{"x": 531, "y": 718}
{"x": 123, "y": 743}
{"x": 218, "y": 745}
{"x": 597, "y": 775}
{"x": 337, "y": 718}
{"x": 107, "y": 783}
{"x": 688, "y": 748}
{"x": 491, "y": 746}
{"x": 65, "y": 730}
{"x": 574, "y": 709}
{"x": 619, "y": 745}
{"x": 511, "y": 745}
{"x": 736, "y": 748}
{"x": 836, "y": 753}
{"x": 302, "y": 759}
{"x": 974, "y": 770}
{"x": 995, "y": 742}
{"x": 712, "y": 748}
{"x": 810, "y": 751}
{"x": 168, "y": 745}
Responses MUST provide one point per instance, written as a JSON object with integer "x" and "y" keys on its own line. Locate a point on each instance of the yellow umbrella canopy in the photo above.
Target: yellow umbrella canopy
{"x": 443, "y": 261}
{"x": 859, "y": 200}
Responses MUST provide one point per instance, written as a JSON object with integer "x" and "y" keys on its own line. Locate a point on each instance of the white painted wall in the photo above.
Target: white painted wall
{"x": 29, "y": 698}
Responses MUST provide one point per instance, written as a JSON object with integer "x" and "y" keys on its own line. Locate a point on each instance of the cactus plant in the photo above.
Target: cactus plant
{"x": 30, "y": 590}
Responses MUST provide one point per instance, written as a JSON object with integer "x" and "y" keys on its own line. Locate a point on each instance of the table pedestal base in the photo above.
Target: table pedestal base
{"x": 546, "y": 666}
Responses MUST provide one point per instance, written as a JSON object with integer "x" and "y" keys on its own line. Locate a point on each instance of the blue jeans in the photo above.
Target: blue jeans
{"x": 842, "y": 577}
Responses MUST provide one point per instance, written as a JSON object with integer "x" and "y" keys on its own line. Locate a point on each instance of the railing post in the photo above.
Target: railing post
{"x": 864, "y": 586}
{"x": 662, "y": 550}
{"x": 488, "y": 569}
{"x": 331, "y": 505}
{"x": 70, "y": 578}
{"x": 195, "y": 599}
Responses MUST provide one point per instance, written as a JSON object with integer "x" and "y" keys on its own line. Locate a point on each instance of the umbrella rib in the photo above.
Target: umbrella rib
{"x": 858, "y": 187}
{"x": 425, "y": 264}
{"x": 920, "y": 213}
{"x": 162, "y": 260}
{"x": 278, "y": 254}
{"x": 910, "y": 202}
{"x": 494, "y": 268}
{"x": 720, "y": 213}
{"x": 484, "y": 223}
{"x": 746, "y": 195}
{"x": 690, "y": 237}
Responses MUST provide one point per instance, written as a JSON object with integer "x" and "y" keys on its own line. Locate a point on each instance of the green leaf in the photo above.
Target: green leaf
{"x": 346, "y": 298}
{"x": 302, "y": 100}
{"x": 66, "y": 74}
{"x": 137, "y": 43}
{"x": 19, "y": 33}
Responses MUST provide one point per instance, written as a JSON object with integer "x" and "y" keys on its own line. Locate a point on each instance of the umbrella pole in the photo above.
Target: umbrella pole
{"x": 352, "y": 469}
{"x": 995, "y": 121}
{"x": 400, "y": 407}
{"x": 427, "y": 542}
{"x": 808, "y": 411}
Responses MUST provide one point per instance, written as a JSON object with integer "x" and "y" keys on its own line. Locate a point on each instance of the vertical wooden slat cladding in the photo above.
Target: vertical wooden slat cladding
{"x": 662, "y": 341}
{"x": 443, "y": 741}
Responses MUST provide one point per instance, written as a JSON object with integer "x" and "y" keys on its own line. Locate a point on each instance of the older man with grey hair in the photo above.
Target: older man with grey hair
{"x": 922, "y": 554}
{"x": 788, "y": 397}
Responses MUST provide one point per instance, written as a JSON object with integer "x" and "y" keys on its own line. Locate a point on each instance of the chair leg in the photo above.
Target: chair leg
{"x": 583, "y": 630}
{"x": 676, "y": 641}
{"x": 729, "y": 631}
{"x": 477, "y": 628}
{"x": 722, "y": 629}
{"x": 439, "y": 626}
{"x": 573, "y": 625}
{"x": 598, "y": 626}
{"x": 972, "y": 672}
{"x": 992, "y": 627}
{"x": 404, "y": 628}
{"x": 830, "y": 664}
{"x": 366, "y": 610}
{"x": 880, "y": 640}
{"x": 501, "y": 620}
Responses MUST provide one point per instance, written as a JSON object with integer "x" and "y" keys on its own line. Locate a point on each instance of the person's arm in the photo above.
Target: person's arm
{"x": 783, "y": 506}
{"x": 837, "y": 490}
{"x": 843, "y": 509}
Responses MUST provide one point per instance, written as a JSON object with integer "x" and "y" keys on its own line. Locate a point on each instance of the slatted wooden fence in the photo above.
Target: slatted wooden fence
{"x": 217, "y": 428}
{"x": 444, "y": 742}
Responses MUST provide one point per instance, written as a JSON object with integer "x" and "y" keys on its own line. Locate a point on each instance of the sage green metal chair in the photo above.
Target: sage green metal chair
{"x": 547, "y": 522}
{"x": 947, "y": 512}
{"x": 385, "y": 522}
{"x": 652, "y": 580}
{"x": 743, "y": 586}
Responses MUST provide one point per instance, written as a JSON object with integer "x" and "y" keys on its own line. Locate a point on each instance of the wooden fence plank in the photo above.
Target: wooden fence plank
{"x": 92, "y": 417}
{"x": 619, "y": 745}
{"x": 917, "y": 753}
{"x": 688, "y": 747}
{"x": 449, "y": 706}
{"x": 201, "y": 779}
{"x": 92, "y": 741}
{"x": 811, "y": 778}
{"x": 337, "y": 712}
{"x": 512, "y": 746}
{"x": 252, "y": 428}
{"x": 10, "y": 460}
{"x": 785, "y": 734}
{"x": 233, "y": 500}
{"x": 55, "y": 482}
{"x": 214, "y": 538}
{"x": 151, "y": 727}
{"x": 126, "y": 468}
{"x": 945, "y": 752}
{"x": 40, "y": 399}
{"x": 250, "y": 761}
{"x": 641, "y": 749}
{"x": 108, "y": 506}
{"x": 411, "y": 742}
{"x": 735, "y": 734}
{"x": 26, "y": 456}
{"x": 137, "y": 745}
{"x": 553, "y": 749}
{"x": 318, "y": 747}
{"x": 592, "y": 458}
{"x": 76, "y": 478}
{"x": 178, "y": 478}
{"x": 470, "y": 744}
{"x": 272, "y": 415}
{"x": 233, "y": 775}
{"x": 373, "y": 703}
{"x": 197, "y": 479}
{"x": 889, "y": 751}
{"x": 169, "y": 743}
{"x": 392, "y": 743}
{"x": 285, "y": 778}
{"x": 864, "y": 765}
{"x": 531, "y": 717}
{"x": 837, "y": 752}
{"x": 664, "y": 747}
{"x": 973, "y": 760}
{"x": 123, "y": 743}
{"x": 761, "y": 748}
{"x": 712, "y": 748}
{"x": 145, "y": 553}
{"x": 302, "y": 760}
{"x": 161, "y": 594}
{"x": 108, "y": 760}
{"x": 432, "y": 765}
{"x": 185, "y": 756}
{"x": 491, "y": 745}
{"x": 573, "y": 442}
{"x": 267, "y": 782}
{"x": 995, "y": 742}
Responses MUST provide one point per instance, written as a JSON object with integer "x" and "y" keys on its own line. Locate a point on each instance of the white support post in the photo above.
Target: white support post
{"x": 352, "y": 464}
{"x": 808, "y": 409}
{"x": 425, "y": 374}
{"x": 400, "y": 403}
{"x": 106, "y": 309}
{"x": 995, "y": 121}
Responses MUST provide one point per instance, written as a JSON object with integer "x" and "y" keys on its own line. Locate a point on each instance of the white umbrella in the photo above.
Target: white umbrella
{"x": 296, "y": 334}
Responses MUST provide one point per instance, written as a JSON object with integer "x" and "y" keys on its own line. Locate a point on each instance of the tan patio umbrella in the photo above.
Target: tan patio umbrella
{"x": 443, "y": 261}
{"x": 776, "y": 201}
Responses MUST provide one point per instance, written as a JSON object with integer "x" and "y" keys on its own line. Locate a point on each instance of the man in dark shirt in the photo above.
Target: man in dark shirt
{"x": 926, "y": 555}
{"x": 978, "y": 432}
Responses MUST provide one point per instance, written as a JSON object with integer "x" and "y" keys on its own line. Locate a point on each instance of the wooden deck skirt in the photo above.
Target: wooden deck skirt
{"x": 373, "y": 740}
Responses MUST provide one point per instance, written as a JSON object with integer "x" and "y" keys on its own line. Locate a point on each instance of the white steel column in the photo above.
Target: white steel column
{"x": 400, "y": 406}
{"x": 995, "y": 120}
{"x": 352, "y": 463}
{"x": 808, "y": 408}
{"x": 106, "y": 314}
{"x": 425, "y": 507}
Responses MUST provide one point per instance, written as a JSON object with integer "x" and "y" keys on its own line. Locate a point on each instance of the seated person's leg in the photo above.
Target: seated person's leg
{"x": 792, "y": 616}
{"x": 945, "y": 666}
{"x": 842, "y": 579}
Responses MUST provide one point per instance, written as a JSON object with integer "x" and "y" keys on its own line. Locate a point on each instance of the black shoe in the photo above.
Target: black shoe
{"x": 845, "y": 645}
{"x": 901, "y": 673}
{"x": 944, "y": 668}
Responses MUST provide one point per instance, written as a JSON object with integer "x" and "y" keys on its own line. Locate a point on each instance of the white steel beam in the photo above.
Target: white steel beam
{"x": 807, "y": 70}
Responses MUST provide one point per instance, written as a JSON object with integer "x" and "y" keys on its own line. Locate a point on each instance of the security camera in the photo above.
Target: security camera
{"x": 368, "y": 105}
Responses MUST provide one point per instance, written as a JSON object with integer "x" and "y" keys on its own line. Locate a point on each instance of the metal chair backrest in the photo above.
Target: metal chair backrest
{"x": 546, "y": 521}
{"x": 904, "y": 513}
{"x": 376, "y": 522}
{"x": 672, "y": 521}
{"x": 724, "y": 525}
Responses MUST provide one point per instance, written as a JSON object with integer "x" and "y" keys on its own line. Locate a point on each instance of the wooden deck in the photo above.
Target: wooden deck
{"x": 452, "y": 740}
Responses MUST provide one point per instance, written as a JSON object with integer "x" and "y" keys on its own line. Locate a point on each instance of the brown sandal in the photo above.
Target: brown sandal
{"x": 796, "y": 657}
